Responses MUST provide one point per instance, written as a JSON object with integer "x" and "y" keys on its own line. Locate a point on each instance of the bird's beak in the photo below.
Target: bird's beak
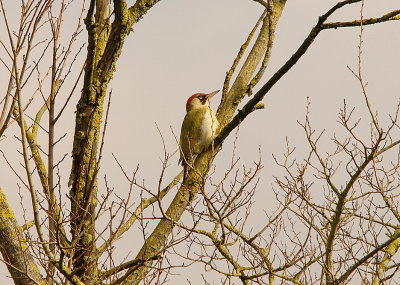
{"x": 210, "y": 95}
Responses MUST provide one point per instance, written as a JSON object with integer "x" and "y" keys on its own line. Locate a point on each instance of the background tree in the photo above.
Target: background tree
{"x": 348, "y": 231}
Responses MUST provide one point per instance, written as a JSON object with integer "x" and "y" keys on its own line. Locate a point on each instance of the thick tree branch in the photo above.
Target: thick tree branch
{"x": 250, "y": 106}
{"x": 14, "y": 249}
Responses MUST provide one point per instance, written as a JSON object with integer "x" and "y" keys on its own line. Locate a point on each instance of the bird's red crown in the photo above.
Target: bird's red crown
{"x": 190, "y": 99}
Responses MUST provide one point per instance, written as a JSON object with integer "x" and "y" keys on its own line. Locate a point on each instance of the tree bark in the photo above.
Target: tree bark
{"x": 14, "y": 248}
{"x": 104, "y": 49}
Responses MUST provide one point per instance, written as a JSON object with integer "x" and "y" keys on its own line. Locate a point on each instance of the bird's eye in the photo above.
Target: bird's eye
{"x": 202, "y": 99}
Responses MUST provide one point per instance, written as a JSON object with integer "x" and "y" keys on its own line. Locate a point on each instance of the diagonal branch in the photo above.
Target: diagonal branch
{"x": 251, "y": 105}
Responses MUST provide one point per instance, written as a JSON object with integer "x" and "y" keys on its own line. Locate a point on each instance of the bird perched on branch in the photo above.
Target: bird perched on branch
{"x": 198, "y": 128}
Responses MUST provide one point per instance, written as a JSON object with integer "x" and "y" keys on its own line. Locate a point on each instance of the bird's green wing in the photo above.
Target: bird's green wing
{"x": 190, "y": 133}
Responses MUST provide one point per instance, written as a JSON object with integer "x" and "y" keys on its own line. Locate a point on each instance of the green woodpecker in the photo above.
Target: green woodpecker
{"x": 198, "y": 128}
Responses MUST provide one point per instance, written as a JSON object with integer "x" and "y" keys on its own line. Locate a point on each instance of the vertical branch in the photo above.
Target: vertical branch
{"x": 88, "y": 118}
{"x": 55, "y": 27}
{"x": 268, "y": 52}
{"x": 25, "y": 36}
{"x": 104, "y": 48}
{"x": 20, "y": 120}
{"x": 3, "y": 122}
{"x": 261, "y": 48}
{"x": 363, "y": 85}
{"x": 239, "y": 56}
